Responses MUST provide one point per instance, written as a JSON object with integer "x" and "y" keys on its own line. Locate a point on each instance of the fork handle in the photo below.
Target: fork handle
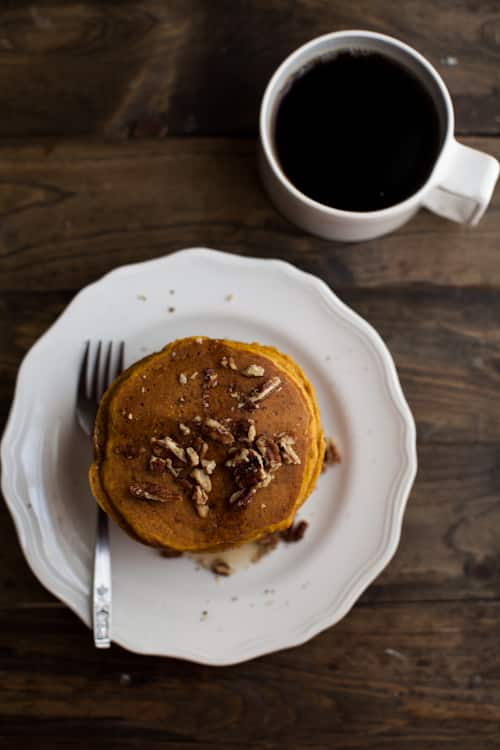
{"x": 102, "y": 584}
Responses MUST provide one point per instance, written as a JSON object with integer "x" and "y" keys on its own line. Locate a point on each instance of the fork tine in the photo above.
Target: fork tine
{"x": 121, "y": 358}
{"x": 107, "y": 367}
{"x": 82, "y": 378}
{"x": 94, "y": 387}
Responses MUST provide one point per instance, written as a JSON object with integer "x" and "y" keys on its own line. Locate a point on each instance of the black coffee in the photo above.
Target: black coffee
{"x": 357, "y": 132}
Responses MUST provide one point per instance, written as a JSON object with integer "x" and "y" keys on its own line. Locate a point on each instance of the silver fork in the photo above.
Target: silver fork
{"x": 90, "y": 389}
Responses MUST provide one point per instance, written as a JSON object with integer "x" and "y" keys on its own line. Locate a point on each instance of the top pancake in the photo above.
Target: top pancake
{"x": 189, "y": 382}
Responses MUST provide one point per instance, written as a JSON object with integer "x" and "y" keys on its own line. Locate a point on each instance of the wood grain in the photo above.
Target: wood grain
{"x": 72, "y": 68}
{"x": 390, "y": 676}
{"x": 71, "y": 211}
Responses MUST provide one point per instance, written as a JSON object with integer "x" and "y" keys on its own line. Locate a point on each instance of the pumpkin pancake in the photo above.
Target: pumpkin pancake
{"x": 207, "y": 444}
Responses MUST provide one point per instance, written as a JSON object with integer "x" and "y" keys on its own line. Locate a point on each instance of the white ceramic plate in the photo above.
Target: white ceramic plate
{"x": 355, "y": 513}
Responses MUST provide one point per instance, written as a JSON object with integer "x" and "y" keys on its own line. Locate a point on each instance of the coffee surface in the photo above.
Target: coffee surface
{"x": 357, "y": 131}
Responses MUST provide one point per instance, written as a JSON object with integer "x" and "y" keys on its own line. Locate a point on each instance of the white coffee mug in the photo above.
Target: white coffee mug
{"x": 459, "y": 187}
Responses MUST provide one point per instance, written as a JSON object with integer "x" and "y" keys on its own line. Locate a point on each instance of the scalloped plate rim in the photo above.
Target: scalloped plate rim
{"x": 28, "y": 534}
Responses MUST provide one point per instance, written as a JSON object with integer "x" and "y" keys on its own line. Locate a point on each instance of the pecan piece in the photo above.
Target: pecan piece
{"x": 264, "y": 390}
{"x": 209, "y": 466}
{"x": 241, "y": 498}
{"x": 267, "y": 480}
{"x": 248, "y": 468}
{"x": 220, "y": 568}
{"x": 217, "y": 431}
{"x": 210, "y": 377}
{"x": 200, "y": 499}
{"x": 183, "y": 378}
{"x": 332, "y": 456}
{"x": 151, "y": 491}
{"x": 253, "y": 371}
{"x": 294, "y": 533}
{"x": 202, "y": 479}
{"x": 193, "y": 456}
{"x": 270, "y": 452}
{"x": 170, "y": 553}
{"x": 228, "y": 362}
{"x": 170, "y": 445}
{"x": 286, "y": 443}
{"x": 184, "y": 429}
{"x": 245, "y": 431}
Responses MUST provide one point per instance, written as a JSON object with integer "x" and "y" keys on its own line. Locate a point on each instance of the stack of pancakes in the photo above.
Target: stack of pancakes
{"x": 207, "y": 444}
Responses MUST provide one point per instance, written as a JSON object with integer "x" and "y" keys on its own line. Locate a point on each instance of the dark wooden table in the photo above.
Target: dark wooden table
{"x": 127, "y": 130}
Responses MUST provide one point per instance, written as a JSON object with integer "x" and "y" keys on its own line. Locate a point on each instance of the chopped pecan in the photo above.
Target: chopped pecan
{"x": 217, "y": 431}
{"x": 264, "y": 390}
{"x": 286, "y": 443}
{"x": 200, "y": 447}
{"x": 170, "y": 445}
{"x": 241, "y": 498}
{"x": 209, "y": 466}
{"x": 157, "y": 464}
{"x": 228, "y": 362}
{"x": 253, "y": 371}
{"x": 267, "y": 480}
{"x": 193, "y": 456}
{"x": 294, "y": 533}
{"x": 197, "y": 419}
{"x": 201, "y": 478}
{"x": 248, "y": 468}
{"x": 183, "y": 378}
{"x": 246, "y": 404}
{"x": 233, "y": 391}
{"x": 332, "y": 456}
{"x": 220, "y": 568}
{"x": 151, "y": 491}
{"x": 244, "y": 430}
{"x": 184, "y": 429}
{"x": 270, "y": 452}
{"x": 170, "y": 553}
{"x": 194, "y": 375}
{"x": 200, "y": 499}
{"x": 236, "y": 455}
{"x": 210, "y": 377}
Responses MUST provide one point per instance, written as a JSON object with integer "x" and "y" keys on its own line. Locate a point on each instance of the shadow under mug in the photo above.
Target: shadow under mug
{"x": 459, "y": 187}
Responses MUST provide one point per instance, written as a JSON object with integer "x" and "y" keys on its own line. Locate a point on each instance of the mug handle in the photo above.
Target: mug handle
{"x": 465, "y": 186}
